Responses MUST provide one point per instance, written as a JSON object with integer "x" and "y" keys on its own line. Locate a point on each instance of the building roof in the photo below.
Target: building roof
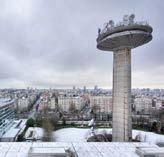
{"x": 5, "y": 101}
{"x": 15, "y": 129}
{"x": 82, "y": 149}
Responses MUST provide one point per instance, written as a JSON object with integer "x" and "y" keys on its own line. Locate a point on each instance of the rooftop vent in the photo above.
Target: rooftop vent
{"x": 47, "y": 152}
{"x": 150, "y": 151}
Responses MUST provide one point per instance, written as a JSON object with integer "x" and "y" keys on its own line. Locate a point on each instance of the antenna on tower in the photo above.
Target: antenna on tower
{"x": 131, "y": 19}
{"x": 105, "y": 25}
{"x": 111, "y": 23}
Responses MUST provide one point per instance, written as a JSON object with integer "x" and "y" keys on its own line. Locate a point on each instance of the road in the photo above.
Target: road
{"x": 33, "y": 109}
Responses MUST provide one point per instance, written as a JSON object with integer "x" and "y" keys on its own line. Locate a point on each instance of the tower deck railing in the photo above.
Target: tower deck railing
{"x": 108, "y": 29}
{"x": 122, "y": 24}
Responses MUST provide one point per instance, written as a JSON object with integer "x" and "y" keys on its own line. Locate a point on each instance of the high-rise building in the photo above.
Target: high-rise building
{"x": 84, "y": 89}
{"x": 6, "y": 114}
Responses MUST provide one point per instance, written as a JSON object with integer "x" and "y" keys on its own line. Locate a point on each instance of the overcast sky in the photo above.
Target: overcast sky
{"x": 52, "y": 43}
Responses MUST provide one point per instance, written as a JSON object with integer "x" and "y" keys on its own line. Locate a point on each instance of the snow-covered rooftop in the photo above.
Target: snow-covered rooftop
{"x": 74, "y": 139}
{"x": 34, "y": 133}
{"x": 81, "y": 149}
{"x": 17, "y": 127}
{"x": 81, "y": 135}
{"x": 5, "y": 101}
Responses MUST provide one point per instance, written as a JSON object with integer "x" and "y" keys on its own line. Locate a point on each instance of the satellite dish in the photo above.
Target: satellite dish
{"x": 132, "y": 16}
{"x": 125, "y": 18}
{"x": 111, "y": 23}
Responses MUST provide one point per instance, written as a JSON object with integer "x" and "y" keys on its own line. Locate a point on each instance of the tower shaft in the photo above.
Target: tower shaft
{"x": 122, "y": 130}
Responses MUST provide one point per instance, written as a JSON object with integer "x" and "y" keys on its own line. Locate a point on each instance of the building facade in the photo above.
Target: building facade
{"x": 103, "y": 103}
{"x": 6, "y": 114}
{"x": 143, "y": 105}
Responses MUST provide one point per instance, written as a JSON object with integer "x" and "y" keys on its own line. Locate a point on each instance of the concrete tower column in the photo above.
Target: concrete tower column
{"x": 122, "y": 95}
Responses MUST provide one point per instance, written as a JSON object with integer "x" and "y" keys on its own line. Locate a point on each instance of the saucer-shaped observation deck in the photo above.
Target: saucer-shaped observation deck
{"x": 126, "y": 34}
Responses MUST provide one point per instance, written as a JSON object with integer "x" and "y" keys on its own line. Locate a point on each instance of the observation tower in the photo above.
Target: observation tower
{"x": 120, "y": 39}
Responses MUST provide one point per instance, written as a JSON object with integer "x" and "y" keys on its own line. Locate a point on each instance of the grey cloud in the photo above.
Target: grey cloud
{"x": 59, "y": 36}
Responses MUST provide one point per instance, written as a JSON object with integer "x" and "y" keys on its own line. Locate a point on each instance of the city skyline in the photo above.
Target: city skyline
{"x": 52, "y": 44}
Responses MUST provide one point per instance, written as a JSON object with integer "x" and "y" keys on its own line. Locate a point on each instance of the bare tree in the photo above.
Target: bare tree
{"x": 95, "y": 109}
{"x": 72, "y": 107}
{"x": 48, "y": 128}
{"x": 48, "y": 121}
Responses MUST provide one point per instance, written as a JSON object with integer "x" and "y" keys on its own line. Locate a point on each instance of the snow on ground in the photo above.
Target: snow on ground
{"x": 148, "y": 136}
{"x": 71, "y": 135}
{"x": 81, "y": 135}
{"x": 76, "y": 134}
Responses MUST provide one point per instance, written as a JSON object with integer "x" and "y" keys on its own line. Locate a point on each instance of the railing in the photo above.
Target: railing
{"x": 121, "y": 24}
